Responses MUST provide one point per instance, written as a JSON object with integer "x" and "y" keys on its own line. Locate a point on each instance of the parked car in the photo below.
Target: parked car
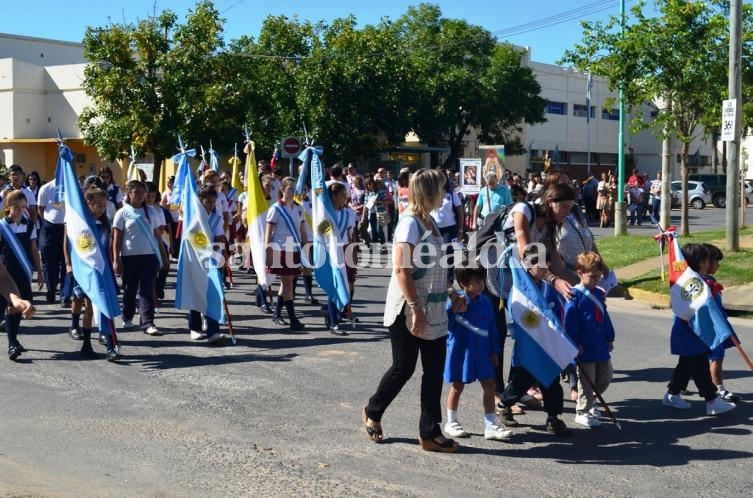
{"x": 698, "y": 194}
{"x": 717, "y": 184}
{"x": 748, "y": 191}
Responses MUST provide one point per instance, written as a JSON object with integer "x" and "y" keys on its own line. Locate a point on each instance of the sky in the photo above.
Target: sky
{"x": 548, "y": 27}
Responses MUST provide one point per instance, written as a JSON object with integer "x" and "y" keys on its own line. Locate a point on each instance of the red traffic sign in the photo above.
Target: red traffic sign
{"x": 291, "y": 147}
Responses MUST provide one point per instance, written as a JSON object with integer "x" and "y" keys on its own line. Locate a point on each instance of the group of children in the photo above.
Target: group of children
{"x": 474, "y": 349}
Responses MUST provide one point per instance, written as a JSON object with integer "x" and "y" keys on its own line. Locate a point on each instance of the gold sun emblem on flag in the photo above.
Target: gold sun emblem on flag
{"x": 198, "y": 239}
{"x": 57, "y": 205}
{"x": 530, "y": 319}
{"x": 324, "y": 228}
{"x": 85, "y": 243}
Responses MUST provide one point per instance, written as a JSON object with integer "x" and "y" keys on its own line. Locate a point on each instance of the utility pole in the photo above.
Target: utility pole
{"x": 733, "y": 146}
{"x": 620, "y": 214}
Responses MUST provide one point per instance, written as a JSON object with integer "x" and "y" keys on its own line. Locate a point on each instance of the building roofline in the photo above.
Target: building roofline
{"x": 35, "y": 38}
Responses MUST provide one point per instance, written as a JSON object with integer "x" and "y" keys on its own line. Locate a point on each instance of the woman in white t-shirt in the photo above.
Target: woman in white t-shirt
{"x": 449, "y": 219}
{"x": 137, "y": 255}
{"x": 283, "y": 240}
{"x": 415, "y": 312}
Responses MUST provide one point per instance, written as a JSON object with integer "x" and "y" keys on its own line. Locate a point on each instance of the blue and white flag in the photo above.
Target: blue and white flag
{"x": 88, "y": 252}
{"x": 181, "y": 176}
{"x": 589, "y": 84}
{"x": 541, "y": 345}
{"x": 214, "y": 159}
{"x": 198, "y": 285}
{"x": 691, "y": 298}
{"x": 329, "y": 252}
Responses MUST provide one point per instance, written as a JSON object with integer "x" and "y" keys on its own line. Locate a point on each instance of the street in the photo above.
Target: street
{"x": 279, "y": 414}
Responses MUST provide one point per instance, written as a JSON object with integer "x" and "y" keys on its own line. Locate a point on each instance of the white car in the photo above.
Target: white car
{"x": 698, "y": 194}
{"x": 749, "y": 190}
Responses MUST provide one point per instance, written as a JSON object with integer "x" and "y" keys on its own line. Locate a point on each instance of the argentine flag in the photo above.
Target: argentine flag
{"x": 541, "y": 345}
{"x": 89, "y": 261}
{"x": 198, "y": 285}
{"x": 329, "y": 252}
{"x": 691, "y": 299}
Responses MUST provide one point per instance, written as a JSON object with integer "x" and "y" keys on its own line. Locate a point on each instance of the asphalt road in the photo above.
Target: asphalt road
{"x": 278, "y": 414}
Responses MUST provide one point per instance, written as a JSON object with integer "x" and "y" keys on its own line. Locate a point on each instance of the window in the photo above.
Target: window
{"x": 610, "y": 114}
{"x": 556, "y": 108}
{"x": 581, "y": 110}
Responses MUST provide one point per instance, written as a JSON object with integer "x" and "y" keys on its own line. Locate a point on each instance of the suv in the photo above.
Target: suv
{"x": 698, "y": 194}
{"x": 718, "y": 186}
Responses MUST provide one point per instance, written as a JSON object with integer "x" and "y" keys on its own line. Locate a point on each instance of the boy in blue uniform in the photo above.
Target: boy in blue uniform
{"x": 692, "y": 351}
{"x": 590, "y": 328}
{"x": 472, "y": 352}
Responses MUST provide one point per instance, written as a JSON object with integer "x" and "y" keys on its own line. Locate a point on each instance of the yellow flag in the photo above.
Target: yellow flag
{"x": 256, "y": 215}
{"x": 235, "y": 179}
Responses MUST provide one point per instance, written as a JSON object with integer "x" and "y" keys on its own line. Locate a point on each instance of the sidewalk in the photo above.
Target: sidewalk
{"x": 736, "y": 297}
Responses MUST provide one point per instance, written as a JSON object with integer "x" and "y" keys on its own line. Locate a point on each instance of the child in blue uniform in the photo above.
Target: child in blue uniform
{"x": 717, "y": 355}
{"x": 472, "y": 352}
{"x": 692, "y": 351}
{"x": 590, "y": 328}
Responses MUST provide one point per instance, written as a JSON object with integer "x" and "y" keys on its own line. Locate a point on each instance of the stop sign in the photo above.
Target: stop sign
{"x": 291, "y": 147}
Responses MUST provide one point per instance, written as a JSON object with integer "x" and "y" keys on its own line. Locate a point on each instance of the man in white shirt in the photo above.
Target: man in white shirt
{"x": 656, "y": 198}
{"x": 51, "y": 238}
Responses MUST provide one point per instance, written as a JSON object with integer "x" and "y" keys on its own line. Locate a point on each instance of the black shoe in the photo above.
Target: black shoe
{"x": 337, "y": 331}
{"x": 265, "y": 308}
{"x": 310, "y": 300}
{"x": 383, "y": 250}
{"x": 325, "y": 314}
{"x": 728, "y": 396}
{"x": 506, "y": 416}
{"x": 20, "y": 347}
{"x": 49, "y": 298}
{"x": 112, "y": 354}
{"x": 278, "y": 320}
{"x": 76, "y": 334}
{"x": 297, "y": 325}
{"x": 87, "y": 352}
{"x": 557, "y": 426}
{"x": 14, "y": 352}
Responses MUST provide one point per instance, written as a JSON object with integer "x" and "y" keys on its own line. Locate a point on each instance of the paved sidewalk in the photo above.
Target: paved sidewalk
{"x": 736, "y": 297}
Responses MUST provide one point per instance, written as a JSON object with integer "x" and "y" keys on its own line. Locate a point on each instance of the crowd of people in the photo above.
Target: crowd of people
{"x": 447, "y": 313}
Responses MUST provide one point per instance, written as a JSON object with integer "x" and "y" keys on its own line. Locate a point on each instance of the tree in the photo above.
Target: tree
{"x": 462, "y": 79}
{"x": 676, "y": 61}
{"x": 155, "y": 79}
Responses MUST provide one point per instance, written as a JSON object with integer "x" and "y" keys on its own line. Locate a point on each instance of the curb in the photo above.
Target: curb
{"x": 653, "y": 298}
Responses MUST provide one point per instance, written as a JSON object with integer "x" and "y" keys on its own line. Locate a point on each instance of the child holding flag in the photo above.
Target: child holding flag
{"x": 18, "y": 248}
{"x": 345, "y": 223}
{"x": 690, "y": 348}
{"x": 590, "y": 328}
{"x": 717, "y": 354}
{"x": 96, "y": 200}
{"x": 472, "y": 352}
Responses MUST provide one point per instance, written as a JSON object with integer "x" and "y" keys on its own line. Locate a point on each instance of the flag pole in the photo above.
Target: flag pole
{"x": 740, "y": 349}
{"x": 591, "y": 384}
{"x": 229, "y": 321}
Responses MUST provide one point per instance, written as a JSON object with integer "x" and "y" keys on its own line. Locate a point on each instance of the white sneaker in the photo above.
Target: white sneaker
{"x": 497, "y": 433}
{"x": 675, "y": 401}
{"x": 152, "y": 330}
{"x": 454, "y": 429}
{"x": 127, "y": 324}
{"x": 215, "y": 338}
{"x": 197, "y": 336}
{"x": 595, "y": 413}
{"x": 586, "y": 420}
{"x": 718, "y": 405}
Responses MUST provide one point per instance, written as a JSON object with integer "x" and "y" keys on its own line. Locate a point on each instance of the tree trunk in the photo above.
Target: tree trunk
{"x": 684, "y": 225}
{"x": 666, "y": 182}
{"x": 714, "y": 151}
{"x": 455, "y": 140}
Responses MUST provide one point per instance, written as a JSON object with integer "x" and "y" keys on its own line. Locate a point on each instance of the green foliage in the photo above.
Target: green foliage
{"x": 355, "y": 89}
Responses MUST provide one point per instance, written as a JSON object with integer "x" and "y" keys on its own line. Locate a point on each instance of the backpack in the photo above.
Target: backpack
{"x": 487, "y": 241}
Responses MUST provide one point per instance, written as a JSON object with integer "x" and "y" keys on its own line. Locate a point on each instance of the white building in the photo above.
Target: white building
{"x": 41, "y": 91}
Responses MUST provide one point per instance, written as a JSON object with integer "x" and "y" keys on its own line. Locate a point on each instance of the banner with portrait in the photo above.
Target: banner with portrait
{"x": 470, "y": 175}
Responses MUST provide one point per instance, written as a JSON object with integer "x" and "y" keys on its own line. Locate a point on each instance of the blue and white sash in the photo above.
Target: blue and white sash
{"x": 341, "y": 220}
{"x": 12, "y": 240}
{"x": 468, "y": 325}
{"x": 145, "y": 229}
{"x": 584, "y": 290}
{"x": 294, "y": 232}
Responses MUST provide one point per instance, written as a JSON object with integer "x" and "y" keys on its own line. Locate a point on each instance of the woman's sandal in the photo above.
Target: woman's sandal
{"x": 447, "y": 446}
{"x": 373, "y": 431}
